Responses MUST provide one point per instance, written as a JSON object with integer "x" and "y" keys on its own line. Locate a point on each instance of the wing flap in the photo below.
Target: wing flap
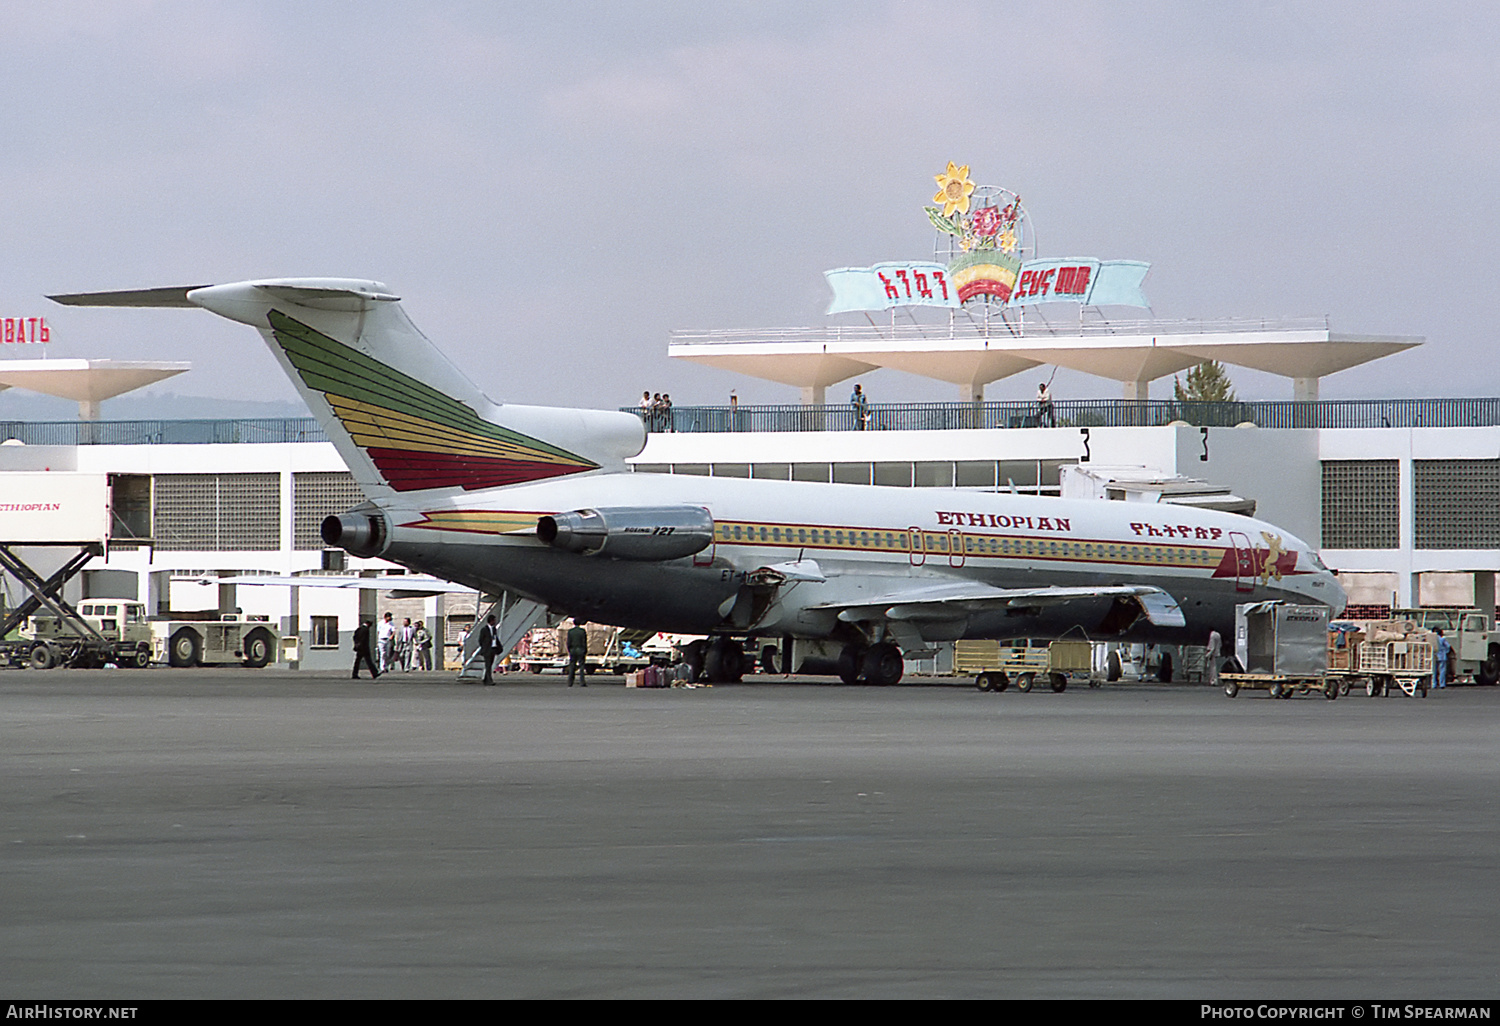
{"x": 956, "y": 600}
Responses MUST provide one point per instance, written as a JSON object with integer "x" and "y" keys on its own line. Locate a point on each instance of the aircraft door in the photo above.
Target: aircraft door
{"x": 956, "y": 554}
{"x": 917, "y": 546}
{"x": 1244, "y": 562}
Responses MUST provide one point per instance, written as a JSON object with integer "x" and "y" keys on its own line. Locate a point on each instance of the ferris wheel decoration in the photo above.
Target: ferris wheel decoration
{"x": 984, "y": 235}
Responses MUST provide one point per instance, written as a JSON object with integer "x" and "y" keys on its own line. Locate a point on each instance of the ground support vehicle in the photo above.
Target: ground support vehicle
{"x": 995, "y": 665}
{"x": 612, "y": 650}
{"x": 1475, "y": 642}
{"x": 216, "y": 638}
{"x": 46, "y": 631}
{"x": 92, "y": 635}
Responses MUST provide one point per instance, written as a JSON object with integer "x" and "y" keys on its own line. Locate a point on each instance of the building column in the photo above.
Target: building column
{"x": 1137, "y": 391}
{"x": 814, "y": 395}
{"x": 1408, "y": 583}
{"x": 1304, "y": 390}
{"x": 291, "y": 624}
{"x": 1484, "y": 592}
{"x": 228, "y": 600}
{"x": 1409, "y": 596}
{"x": 971, "y": 393}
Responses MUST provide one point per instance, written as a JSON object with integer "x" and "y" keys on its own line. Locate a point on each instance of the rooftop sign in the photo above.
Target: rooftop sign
{"x": 24, "y": 330}
{"x": 991, "y": 259}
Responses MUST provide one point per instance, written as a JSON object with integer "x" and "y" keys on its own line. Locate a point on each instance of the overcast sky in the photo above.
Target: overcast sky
{"x": 554, "y": 188}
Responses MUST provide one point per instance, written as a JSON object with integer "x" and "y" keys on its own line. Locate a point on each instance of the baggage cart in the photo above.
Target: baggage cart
{"x": 996, "y": 665}
{"x": 1283, "y": 650}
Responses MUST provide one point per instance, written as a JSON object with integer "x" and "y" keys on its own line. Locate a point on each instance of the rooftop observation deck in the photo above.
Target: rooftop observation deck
{"x": 971, "y": 353}
{"x": 1079, "y": 413}
{"x": 745, "y": 418}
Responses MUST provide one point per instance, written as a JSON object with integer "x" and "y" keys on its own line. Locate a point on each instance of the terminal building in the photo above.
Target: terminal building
{"x": 1401, "y": 496}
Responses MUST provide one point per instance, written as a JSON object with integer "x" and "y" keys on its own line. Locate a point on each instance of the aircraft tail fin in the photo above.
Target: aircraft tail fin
{"x": 403, "y": 417}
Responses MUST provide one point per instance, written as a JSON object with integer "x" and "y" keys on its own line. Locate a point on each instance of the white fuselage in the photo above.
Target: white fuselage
{"x": 864, "y": 539}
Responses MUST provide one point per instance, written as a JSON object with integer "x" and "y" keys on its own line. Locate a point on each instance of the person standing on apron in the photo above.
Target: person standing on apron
{"x": 578, "y": 653}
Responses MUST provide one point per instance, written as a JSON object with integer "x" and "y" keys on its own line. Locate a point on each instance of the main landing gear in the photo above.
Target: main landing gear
{"x": 718, "y": 660}
{"x": 876, "y": 664}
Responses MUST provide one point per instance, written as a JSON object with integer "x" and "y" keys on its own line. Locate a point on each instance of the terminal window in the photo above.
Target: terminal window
{"x": 1456, "y": 504}
{"x": 325, "y": 632}
{"x": 217, "y": 512}
{"x": 1361, "y": 504}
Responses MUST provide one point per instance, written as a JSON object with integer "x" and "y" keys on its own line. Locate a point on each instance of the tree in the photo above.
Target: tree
{"x": 1206, "y": 383}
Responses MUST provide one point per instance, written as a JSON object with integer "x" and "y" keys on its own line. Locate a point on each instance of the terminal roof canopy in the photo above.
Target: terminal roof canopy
{"x": 86, "y": 382}
{"x": 1133, "y": 353}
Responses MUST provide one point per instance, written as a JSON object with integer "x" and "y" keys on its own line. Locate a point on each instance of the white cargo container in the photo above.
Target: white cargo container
{"x": 54, "y": 508}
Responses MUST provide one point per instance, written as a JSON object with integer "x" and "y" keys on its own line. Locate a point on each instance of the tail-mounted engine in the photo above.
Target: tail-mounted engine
{"x": 361, "y": 534}
{"x": 630, "y": 532}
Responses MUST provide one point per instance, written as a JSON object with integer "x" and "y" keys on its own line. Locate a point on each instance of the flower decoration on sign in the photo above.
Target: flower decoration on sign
{"x": 986, "y": 222}
{"x": 954, "y": 190}
{"x": 985, "y": 227}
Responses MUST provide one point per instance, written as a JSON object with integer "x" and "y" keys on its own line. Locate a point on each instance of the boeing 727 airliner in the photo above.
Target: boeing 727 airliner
{"x": 539, "y": 502}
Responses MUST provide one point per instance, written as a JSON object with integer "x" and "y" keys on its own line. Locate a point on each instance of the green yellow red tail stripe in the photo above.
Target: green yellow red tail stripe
{"x": 416, "y": 436}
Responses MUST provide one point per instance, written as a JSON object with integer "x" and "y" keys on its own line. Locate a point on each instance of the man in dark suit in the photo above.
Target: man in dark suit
{"x": 362, "y": 650}
{"x": 488, "y": 645}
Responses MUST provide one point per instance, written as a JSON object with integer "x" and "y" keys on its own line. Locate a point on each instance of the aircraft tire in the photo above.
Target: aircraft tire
{"x": 851, "y": 661}
{"x": 768, "y": 659}
{"x": 882, "y": 665}
{"x": 1164, "y": 670}
{"x": 724, "y": 662}
{"x": 1113, "y": 670}
{"x": 695, "y": 654}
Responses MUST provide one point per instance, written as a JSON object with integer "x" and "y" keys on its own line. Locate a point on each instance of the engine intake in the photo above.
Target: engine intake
{"x": 360, "y": 534}
{"x": 630, "y": 532}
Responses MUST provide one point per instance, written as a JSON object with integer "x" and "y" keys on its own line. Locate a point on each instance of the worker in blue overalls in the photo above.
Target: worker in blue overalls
{"x": 1440, "y": 659}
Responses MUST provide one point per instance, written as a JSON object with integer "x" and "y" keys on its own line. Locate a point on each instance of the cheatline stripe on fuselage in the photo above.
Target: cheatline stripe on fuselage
{"x": 973, "y": 545}
{"x": 1220, "y": 561}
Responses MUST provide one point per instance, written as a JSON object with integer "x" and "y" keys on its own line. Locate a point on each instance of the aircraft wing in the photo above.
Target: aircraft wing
{"x": 395, "y": 582}
{"x": 956, "y": 600}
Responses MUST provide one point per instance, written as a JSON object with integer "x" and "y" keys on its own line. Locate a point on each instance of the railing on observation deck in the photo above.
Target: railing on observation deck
{"x": 1075, "y": 413}
{"x": 1329, "y": 413}
{"x": 163, "y": 432}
